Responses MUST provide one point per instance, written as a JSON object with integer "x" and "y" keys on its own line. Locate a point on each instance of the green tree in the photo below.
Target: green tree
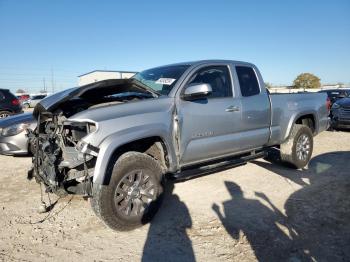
{"x": 306, "y": 80}
{"x": 20, "y": 91}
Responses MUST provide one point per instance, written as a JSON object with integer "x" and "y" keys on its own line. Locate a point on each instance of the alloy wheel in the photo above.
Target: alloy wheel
{"x": 4, "y": 115}
{"x": 134, "y": 193}
{"x": 303, "y": 147}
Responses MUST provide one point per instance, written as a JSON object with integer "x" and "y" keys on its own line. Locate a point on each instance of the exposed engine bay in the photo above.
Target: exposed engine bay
{"x": 62, "y": 162}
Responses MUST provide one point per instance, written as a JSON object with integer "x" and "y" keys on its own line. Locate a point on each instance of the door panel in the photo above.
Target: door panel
{"x": 207, "y": 130}
{"x": 255, "y": 121}
{"x": 255, "y": 109}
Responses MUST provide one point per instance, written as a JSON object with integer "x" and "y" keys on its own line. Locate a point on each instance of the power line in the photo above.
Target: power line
{"x": 38, "y": 79}
{"x": 31, "y": 68}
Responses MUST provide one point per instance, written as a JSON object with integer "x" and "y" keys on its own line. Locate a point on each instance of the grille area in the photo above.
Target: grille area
{"x": 344, "y": 113}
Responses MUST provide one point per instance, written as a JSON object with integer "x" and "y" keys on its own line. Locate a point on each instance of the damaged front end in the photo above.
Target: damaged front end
{"x": 62, "y": 161}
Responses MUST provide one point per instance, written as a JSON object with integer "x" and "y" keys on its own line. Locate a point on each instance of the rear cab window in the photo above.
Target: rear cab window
{"x": 248, "y": 81}
{"x": 38, "y": 97}
{"x": 337, "y": 94}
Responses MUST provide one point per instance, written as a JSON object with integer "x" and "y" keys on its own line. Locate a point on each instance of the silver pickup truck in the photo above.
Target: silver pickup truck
{"x": 115, "y": 140}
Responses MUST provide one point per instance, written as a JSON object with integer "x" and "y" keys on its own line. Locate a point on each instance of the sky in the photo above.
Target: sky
{"x": 55, "y": 41}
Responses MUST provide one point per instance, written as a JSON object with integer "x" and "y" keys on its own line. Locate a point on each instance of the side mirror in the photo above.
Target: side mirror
{"x": 197, "y": 91}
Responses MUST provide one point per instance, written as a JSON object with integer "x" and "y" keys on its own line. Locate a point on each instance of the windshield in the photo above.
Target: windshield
{"x": 336, "y": 94}
{"x": 161, "y": 79}
{"x": 38, "y": 97}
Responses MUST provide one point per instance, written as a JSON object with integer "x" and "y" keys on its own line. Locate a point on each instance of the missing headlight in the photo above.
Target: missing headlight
{"x": 75, "y": 131}
{"x": 91, "y": 127}
{"x": 86, "y": 148}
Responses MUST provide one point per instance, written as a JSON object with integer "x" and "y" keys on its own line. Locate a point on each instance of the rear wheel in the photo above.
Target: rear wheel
{"x": 4, "y": 114}
{"x": 133, "y": 195}
{"x": 25, "y": 106}
{"x": 297, "y": 150}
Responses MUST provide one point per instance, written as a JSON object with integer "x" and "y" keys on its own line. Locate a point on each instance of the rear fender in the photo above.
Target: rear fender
{"x": 295, "y": 117}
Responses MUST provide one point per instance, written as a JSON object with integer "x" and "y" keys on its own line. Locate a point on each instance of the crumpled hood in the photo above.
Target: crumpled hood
{"x": 51, "y": 103}
{"x": 17, "y": 119}
{"x": 146, "y": 106}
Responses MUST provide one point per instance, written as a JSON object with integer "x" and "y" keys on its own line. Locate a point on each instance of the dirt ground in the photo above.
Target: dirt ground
{"x": 261, "y": 211}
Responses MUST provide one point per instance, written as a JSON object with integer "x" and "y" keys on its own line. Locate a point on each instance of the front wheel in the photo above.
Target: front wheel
{"x": 133, "y": 195}
{"x": 4, "y": 114}
{"x": 297, "y": 150}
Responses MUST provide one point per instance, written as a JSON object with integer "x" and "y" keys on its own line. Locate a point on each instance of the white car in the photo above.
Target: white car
{"x": 32, "y": 101}
{"x": 13, "y": 138}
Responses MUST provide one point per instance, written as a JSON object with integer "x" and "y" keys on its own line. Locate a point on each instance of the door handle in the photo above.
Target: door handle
{"x": 232, "y": 109}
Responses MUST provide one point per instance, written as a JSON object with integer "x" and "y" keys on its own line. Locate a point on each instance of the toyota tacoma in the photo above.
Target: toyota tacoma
{"x": 115, "y": 141}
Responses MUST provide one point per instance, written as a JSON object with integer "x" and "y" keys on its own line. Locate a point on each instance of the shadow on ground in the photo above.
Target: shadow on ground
{"x": 320, "y": 212}
{"x": 167, "y": 239}
{"x": 315, "y": 225}
{"x": 318, "y": 215}
{"x": 261, "y": 226}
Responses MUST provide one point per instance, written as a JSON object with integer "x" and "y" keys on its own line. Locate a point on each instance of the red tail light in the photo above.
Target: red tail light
{"x": 15, "y": 102}
{"x": 328, "y": 104}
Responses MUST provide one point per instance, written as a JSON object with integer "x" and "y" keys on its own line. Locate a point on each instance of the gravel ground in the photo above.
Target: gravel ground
{"x": 260, "y": 211}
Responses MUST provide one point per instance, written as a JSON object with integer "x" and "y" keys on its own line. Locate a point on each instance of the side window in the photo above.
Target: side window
{"x": 2, "y": 96}
{"x": 218, "y": 77}
{"x": 247, "y": 81}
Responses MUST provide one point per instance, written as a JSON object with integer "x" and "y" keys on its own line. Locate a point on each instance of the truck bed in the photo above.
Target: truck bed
{"x": 286, "y": 107}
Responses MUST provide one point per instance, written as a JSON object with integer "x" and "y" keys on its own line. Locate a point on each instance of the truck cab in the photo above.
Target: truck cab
{"x": 233, "y": 118}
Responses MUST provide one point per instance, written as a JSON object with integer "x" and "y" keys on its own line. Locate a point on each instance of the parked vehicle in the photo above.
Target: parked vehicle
{"x": 22, "y": 98}
{"x": 9, "y": 104}
{"x": 32, "y": 101}
{"x": 335, "y": 94}
{"x": 341, "y": 113}
{"x": 13, "y": 135}
{"x": 115, "y": 140}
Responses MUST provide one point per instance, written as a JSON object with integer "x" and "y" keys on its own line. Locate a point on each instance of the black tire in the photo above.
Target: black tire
{"x": 4, "y": 114}
{"x": 31, "y": 149}
{"x": 113, "y": 202}
{"x": 25, "y": 106}
{"x": 297, "y": 150}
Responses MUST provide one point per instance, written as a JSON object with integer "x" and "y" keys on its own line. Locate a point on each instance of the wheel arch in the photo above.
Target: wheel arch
{"x": 7, "y": 110}
{"x": 154, "y": 146}
{"x": 309, "y": 119}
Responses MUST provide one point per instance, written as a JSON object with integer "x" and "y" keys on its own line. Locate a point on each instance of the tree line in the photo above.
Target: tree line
{"x": 304, "y": 81}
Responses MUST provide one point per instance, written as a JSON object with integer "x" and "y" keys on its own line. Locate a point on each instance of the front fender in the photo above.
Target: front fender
{"x": 116, "y": 140}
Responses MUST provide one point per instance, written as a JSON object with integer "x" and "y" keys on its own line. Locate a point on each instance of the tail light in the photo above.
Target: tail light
{"x": 15, "y": 102}
{"x": 328, "y": 104}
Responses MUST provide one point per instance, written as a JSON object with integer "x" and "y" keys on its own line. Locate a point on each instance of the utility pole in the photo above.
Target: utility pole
{"x": 44, "y": 84}
{"x": 52, "y": 81}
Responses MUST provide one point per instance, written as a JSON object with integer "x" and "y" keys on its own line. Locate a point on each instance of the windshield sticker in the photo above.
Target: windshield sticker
{"x": 165, "y": 81}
